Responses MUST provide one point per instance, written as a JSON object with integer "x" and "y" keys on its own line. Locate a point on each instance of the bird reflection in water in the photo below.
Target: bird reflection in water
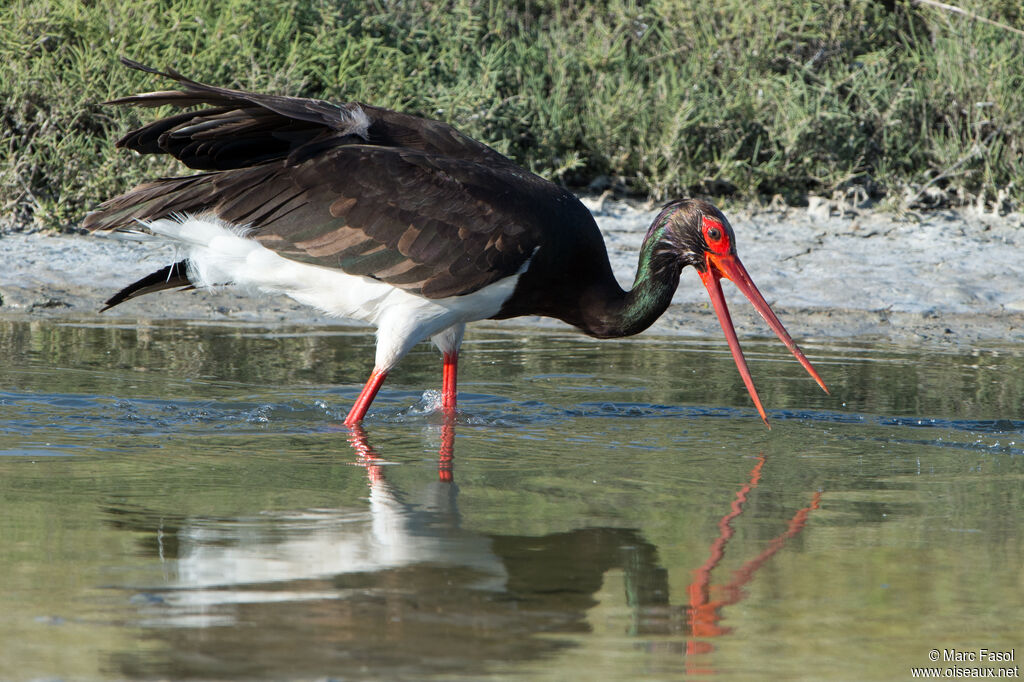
{"x": 368, "y": 457}
{"x": 706, "y": 600}
{"x": 704, "y": 611}
{"x": 401, "y": 584}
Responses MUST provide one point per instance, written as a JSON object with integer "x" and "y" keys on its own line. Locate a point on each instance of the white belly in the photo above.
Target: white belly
{"x": 220, "y": 254}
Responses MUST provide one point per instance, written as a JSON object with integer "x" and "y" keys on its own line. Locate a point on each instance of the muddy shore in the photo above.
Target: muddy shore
{"x": 943, "y": 277}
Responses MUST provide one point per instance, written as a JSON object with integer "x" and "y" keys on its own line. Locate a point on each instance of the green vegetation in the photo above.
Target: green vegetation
{"x": 733, "y": 98}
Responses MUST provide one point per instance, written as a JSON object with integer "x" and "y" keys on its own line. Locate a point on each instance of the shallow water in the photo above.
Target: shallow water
{"x": 180, "y": 501}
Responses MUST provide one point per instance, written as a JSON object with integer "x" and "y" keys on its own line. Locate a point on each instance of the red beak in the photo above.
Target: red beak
{"x": 730, "y": 267}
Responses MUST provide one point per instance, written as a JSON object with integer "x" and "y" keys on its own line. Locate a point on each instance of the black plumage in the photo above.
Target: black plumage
{"x": 406, "y": 200}
{"x": 414, "y": 204}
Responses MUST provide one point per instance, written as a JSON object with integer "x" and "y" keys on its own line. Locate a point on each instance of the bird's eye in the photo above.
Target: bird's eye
{"x": 716, "y": 237}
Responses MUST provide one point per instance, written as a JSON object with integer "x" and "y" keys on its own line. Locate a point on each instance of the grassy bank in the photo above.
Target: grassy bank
{"x": 738, "y": 98}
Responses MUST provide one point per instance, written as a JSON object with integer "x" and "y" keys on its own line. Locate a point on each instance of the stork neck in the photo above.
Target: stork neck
{"x": 630, "y": 312}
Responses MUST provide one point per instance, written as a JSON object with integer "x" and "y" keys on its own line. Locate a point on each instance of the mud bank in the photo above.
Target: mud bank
{"x": 941, "y": 277}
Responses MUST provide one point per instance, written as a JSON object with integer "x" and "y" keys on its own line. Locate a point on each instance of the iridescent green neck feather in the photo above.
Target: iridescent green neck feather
{"x": 657, "y": 277}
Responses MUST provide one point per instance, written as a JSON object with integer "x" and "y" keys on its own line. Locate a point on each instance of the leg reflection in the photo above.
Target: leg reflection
{"x": 368, "y": 457}
{"x": 365, "y": 455}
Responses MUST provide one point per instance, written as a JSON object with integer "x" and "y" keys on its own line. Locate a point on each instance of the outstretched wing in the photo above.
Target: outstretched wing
{"x": 401, "y": 199}
{"x": 242, "y": 129}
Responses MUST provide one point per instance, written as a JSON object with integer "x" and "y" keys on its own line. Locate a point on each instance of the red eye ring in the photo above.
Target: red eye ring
{"x": 716, "y": 236}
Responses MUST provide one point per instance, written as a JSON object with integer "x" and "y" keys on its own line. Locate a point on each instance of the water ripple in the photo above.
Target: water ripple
{"x": 95, "y": 416}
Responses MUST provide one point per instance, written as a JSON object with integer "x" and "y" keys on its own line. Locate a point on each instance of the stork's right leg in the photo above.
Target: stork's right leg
{"x": 366, "y": 396}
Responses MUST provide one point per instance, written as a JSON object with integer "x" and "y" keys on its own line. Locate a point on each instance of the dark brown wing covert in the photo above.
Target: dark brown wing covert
{"x": 394, "y": 197}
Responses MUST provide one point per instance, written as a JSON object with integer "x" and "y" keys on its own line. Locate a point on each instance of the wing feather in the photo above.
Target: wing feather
{"x": 376, "y": 193}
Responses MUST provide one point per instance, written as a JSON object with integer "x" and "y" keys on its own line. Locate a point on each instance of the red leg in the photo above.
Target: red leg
{"x": 449, "y": 375}
{"x": 444, "y": 462}
{"x": 362, "y": 404}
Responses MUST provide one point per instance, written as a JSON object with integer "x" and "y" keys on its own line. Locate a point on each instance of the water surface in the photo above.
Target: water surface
{"x": 181, "y": 501}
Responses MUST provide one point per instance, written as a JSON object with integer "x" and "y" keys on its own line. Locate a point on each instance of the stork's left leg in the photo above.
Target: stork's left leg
{"x": 449, "y": 378}
{"x": 448, "y": 342}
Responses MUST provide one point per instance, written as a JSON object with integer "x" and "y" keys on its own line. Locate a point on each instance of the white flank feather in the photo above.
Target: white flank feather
{"x": 219, "y": 253}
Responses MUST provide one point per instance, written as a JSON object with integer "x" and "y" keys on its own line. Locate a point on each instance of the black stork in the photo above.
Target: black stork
{"x": 400, "y": 222}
